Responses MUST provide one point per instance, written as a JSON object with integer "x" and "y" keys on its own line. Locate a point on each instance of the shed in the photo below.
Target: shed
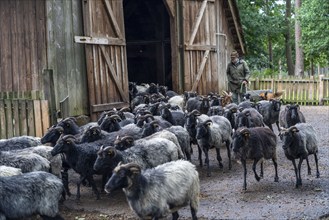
{"x": 79, "y": 55}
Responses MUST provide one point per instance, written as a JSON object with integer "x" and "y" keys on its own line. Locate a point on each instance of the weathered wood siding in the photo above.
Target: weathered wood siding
{"x": 207, "y": 43}
{"x": 66, "y": 59}
{"x": 106, "y": 55}
{"x": 22, "y": 45}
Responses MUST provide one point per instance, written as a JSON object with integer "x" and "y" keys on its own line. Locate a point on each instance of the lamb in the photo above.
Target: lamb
{"x": 147, "y": 153}
{"x": 27, "y": 162}
{"x": 19, "y": 142}
{"x": 256, "y": 143}
{"x": 213, "y": 133}
{"x": 230, "y": 111}
{"x": 30, "y": 193}
{"x": 299, "y": 141}
{"x": 174, "y": 117}
{"x": 290, "y": 116}
{"x": 155, "y": 193}
{"x": 249, "y": 117}
{"x": 80, "y": 157}
{"x": 270, "y": 111}
{"x": 9, "y": 171}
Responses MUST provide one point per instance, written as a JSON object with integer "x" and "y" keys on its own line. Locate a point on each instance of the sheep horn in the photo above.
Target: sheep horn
{"x": 115, "y": 117}
{"x": 129, "y": 139}
{"x": 195, "y": 112}
{"x": 69, "y": 137}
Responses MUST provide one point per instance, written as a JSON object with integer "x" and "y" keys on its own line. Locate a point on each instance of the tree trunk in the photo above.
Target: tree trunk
{"x": 299, "y": 68}
{"x": 288, "y": 50}
{"x": 270, "y": 52}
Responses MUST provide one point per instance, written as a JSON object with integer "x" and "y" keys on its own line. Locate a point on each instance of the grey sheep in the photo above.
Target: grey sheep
{"x": 26, "y": 161}
{"x": 19, "y": 142}
{"x": 256, "y": 144}
{"x": 155, "y": 193}
{"x": 146, "y": 153}
{"x": 30, "y": 193}
{"x": 249, "y": 118}
{"x": 45, "y": 151}
{"x": 290, "y": 116}
{"x": 270, "y": 111}
{"x": 298, "y": 142}
{"x": 80, "y": 157}
{"x": 213, "y": 132}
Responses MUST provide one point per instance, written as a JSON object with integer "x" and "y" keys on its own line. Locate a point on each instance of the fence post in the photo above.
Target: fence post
{"x": 321, "y": 89}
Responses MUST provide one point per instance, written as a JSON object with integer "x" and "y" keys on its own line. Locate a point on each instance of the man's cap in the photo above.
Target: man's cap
{"x": 234, "y": 53}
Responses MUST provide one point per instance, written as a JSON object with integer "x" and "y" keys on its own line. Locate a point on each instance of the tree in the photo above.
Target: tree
{"x": 314, "y": 19}
{"x": 287, "y": 36}
{"x": 299, "y": 65}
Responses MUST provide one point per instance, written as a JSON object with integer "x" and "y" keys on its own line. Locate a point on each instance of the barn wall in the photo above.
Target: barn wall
{"x": 66, "y": 59}
{"x": 22, "y": 46}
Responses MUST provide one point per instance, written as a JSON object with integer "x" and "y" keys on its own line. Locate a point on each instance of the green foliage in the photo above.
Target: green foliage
{"x": 265, "y": 19}
{"x": 314, "y": 19}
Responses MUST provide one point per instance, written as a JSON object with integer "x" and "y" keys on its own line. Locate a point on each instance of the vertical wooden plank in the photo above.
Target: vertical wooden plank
{"x": 22, "y": 117}
{"x": 30, "y": 118}
{"x": 44, "y": 116}
{"x": 3, "y": 124}
{"x": 9, "y": 118}
{"x": 15, "y": 108}
{"x": 37, "y": 118}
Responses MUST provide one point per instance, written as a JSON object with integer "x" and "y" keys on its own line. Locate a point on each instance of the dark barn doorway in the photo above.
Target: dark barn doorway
{"x": 147, "y": 30}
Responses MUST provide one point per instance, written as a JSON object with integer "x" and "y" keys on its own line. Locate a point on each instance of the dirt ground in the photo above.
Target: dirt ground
{"x": 222, "y": 196}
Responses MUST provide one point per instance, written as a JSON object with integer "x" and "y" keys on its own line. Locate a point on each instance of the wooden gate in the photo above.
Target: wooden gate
{"x": 200, "y": 55}
{"x": 105, "y": 55}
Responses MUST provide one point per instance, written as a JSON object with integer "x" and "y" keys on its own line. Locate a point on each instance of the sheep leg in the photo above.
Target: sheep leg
{"x": 261, "y": 170}
{"x": 205, "y": 150}
{"x": 308, "y": 166}
{"x": 277, "y": 124}
{"x": 254, "y": 169}
{"x": 229, "y": 155}
{"x": 93, "y": 186}
{"x": 296, "y": 172}
{"x": 175, "y": 215}
{"x": 317, "y": 166}
{"x": 244, "y": 174}
{"x": 82, "y": 178}
{"x": 219, "y": 158}
{"x": 200, "y": 156}
{"x": 193, "y": 212}
{"x": 299, "y": 171}
{"x": 276, "y": 177}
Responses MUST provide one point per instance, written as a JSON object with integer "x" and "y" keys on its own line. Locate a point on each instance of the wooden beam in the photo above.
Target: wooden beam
{"x": 99, "y": 40}
{"x": 108, "y": 106}
{"x": 201, "y": 47}
{"x": 200, "y": 70}
{"x": 198, "y": 21}
{"x": 113, "y": 20}
{"x": 113, "y": 73}
{"x": 236, "y": 25}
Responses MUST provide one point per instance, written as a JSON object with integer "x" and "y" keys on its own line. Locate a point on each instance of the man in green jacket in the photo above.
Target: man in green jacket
{"x": 238, "y": 74}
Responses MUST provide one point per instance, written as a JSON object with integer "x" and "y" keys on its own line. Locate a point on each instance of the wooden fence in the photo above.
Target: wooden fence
{"x": 20, "y": 116}
{"x": 312, "y": 91}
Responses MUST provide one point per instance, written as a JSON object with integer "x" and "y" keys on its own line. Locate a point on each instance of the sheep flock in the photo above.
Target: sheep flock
{"x": 145, "y": 151}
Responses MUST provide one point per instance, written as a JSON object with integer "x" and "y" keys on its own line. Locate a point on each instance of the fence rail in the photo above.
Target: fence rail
{"x": 313, "y": 91}
{"x": 23, "y": 117}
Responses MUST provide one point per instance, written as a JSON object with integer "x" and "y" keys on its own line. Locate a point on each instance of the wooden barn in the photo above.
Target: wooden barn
{"x": 77, "y": 56}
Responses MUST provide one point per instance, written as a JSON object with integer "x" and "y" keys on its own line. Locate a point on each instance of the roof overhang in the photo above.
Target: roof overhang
{"x": 234, "y": 24}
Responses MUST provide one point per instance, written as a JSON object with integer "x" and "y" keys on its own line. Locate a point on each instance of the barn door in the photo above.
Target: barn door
{"x": 105, "y": 55}
{"x": 200, "y": 57}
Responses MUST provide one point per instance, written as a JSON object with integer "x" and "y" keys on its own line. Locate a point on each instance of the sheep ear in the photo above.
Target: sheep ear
{"x": 208, "y": 123}
{"x": 294, "y": 130}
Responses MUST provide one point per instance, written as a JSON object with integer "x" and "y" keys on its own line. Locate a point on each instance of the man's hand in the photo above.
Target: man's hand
{"x": 244, "y": 82}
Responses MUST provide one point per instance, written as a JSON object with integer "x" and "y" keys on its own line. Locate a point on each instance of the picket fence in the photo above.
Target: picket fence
{"x": 23, "y": 116}
{"x": 306, "y": 91}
